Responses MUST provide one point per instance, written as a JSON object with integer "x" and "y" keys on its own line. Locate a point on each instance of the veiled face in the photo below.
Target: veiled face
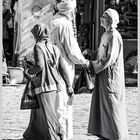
{"x": 39, "y": 32}
{"x": 105, "y": 20}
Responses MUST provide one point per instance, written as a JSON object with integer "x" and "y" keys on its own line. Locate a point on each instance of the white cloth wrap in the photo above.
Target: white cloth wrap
{"x": 66, "y": 5}
{"x": 113, "y": 14}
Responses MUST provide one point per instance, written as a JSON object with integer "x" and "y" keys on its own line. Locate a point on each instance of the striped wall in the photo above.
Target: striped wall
{"x": 30, "y": 12}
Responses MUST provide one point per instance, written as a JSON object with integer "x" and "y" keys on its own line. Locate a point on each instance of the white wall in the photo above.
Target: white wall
{"x": 26, "y": 20}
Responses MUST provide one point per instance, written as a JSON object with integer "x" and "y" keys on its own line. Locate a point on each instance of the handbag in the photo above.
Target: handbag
{"x": 29, "y": 99}
{"x": 79, "y": 83}
{"x": 36, "y": 80}
{"x": 89, "y": 79}
{"x": 84, "y": 82}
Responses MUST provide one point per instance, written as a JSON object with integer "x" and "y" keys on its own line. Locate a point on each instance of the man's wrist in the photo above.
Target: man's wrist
{"x": 70, "y": 89}
{"x": 87, "y": 63}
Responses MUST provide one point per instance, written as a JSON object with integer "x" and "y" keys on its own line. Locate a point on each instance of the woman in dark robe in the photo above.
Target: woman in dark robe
{"x": 44, "y": 124}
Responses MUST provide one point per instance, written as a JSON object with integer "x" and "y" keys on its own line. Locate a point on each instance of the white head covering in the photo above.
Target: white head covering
{"x": 113, "y": 14}
{"x": 66, "y": 5}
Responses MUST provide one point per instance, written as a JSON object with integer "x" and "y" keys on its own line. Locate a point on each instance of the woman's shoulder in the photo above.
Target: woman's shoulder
{"x": 40, "y": 43}
{"x": 39, "y": 46}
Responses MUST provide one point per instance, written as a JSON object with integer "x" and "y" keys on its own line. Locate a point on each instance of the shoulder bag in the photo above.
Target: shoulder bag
{"x": 29, "y": 99}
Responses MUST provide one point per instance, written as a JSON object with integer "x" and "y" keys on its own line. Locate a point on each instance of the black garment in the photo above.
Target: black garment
{"x": 43, "y": 123}
{"x": 8, "y": 33}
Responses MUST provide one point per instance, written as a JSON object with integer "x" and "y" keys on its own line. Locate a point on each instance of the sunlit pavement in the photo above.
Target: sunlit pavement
{"x": 15, "y": 120}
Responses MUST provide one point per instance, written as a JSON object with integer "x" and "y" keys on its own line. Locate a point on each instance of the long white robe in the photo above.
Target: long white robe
{"x": 62, "y": 35}
{"x": 108, "y": 112}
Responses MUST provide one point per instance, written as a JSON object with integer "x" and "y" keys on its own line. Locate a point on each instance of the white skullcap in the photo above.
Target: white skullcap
{"x": 66, "y": 5}
{"x": 113, "y": 14}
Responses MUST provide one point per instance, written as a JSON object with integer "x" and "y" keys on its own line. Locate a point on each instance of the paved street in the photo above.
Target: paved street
{"x": 15, "y": 120}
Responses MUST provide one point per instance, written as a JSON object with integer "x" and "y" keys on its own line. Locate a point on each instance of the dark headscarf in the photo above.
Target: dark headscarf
{"x": 40, "y": 32}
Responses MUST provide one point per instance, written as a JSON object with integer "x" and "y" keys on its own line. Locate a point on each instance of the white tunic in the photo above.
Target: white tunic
{"x": 108, "y": 110}
{"x": 62, "y": 35}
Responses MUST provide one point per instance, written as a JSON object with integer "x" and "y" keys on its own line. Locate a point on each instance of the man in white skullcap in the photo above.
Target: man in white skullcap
{"x": 62, "y": 35}
{"x": 108, "y": 111}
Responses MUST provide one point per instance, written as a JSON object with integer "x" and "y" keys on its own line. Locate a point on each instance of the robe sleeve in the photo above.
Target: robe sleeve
{"x": 112, "y": 53}
{"x": 39, "y": 61}
{"x": 70, "y": 44}
{"x": 63, "y": 71}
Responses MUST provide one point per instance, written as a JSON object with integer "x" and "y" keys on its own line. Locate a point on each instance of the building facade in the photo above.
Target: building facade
{"x": 88, "y": 22}
{"x": 29, "y": 12}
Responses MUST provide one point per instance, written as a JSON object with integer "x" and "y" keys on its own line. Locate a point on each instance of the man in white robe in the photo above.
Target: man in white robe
{"x": 108, "y": 111}
{"x": 62, "y": 35}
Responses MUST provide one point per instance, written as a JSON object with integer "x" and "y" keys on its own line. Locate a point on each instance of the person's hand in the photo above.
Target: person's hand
{"x": 87, "y": 52}
{"x": 29, "y": 76}
{"x": 70, "y": 100}
{"x": 70, "y": 91}
{"x": 86, "y": 65}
